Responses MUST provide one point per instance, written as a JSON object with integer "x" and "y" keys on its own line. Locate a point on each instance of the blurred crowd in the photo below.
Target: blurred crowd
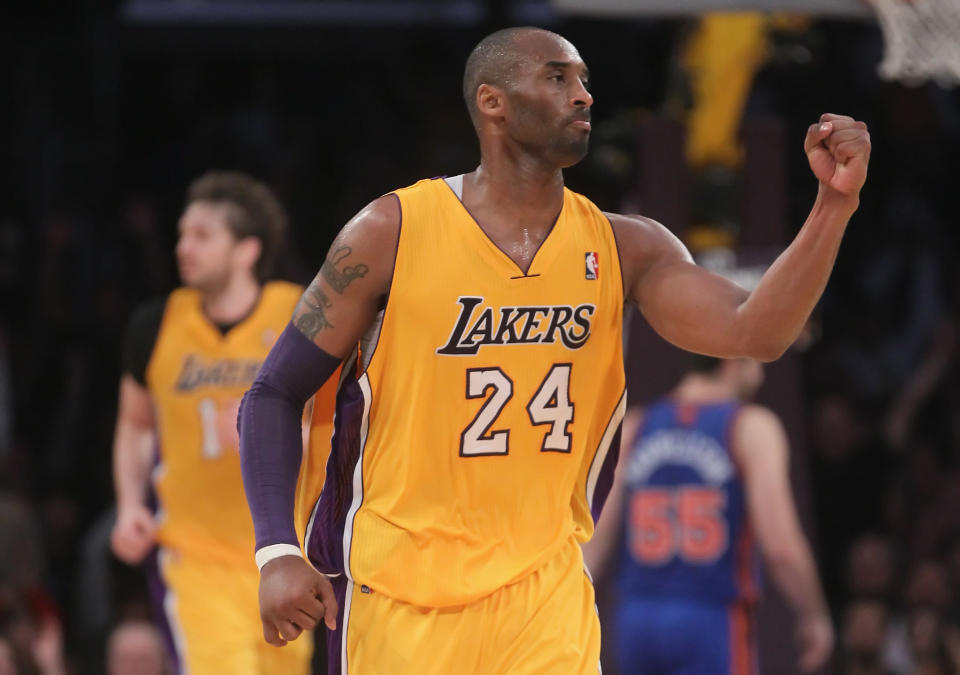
{"x": 100, "y": 152}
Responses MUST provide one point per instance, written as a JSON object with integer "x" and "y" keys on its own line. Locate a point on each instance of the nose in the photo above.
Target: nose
{"x": 581, "y": 97}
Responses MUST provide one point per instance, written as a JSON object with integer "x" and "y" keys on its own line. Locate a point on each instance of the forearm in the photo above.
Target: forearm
{"x": 270, "y": 454}
{"x": 271, "y": 442}
{"x": 133, "y": 458}
{"x": 775, "y": 312}
{"x": 795, "y": 575}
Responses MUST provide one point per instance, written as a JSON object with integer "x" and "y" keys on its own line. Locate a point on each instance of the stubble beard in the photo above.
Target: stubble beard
{"x": 571, "y": 151}
{"x": 209, "y": 283}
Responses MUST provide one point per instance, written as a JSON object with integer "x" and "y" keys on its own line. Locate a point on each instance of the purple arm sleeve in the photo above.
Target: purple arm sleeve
{"x": 271, "y": 444}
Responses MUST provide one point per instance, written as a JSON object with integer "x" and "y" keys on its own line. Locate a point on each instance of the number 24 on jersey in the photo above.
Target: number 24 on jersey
{"x": 550, "y": 405}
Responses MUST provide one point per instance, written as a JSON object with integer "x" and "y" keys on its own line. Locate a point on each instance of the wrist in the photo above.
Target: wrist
{"x": 273, "y": 551}
{"x": 129, "y": 504}
{"x": 828, "y": 198}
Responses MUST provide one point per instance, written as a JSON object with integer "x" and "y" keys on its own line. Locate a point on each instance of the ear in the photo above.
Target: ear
{"x": 491, "y": 101}
{"x": 248, "y": 251}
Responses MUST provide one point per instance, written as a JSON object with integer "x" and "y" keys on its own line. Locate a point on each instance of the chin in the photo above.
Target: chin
{"x": 192, "y": 280}
{"x": 572, "y": 153}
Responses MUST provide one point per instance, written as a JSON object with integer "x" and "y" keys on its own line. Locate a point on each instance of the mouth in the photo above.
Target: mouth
{"x": 581, "y": 123}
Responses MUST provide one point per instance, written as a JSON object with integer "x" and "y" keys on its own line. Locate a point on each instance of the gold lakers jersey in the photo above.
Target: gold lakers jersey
{"x": 477, "y": 436}
{"x": 196, "y": 376}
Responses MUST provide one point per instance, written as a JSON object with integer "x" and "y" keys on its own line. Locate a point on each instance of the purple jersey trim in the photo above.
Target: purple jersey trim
{"x": 625, "y": 292}
{"x": 335, "y": 638}
{"x": 605, "y": 480}
{"x": 604, "y": 462}
{"x": 324, "y": 539}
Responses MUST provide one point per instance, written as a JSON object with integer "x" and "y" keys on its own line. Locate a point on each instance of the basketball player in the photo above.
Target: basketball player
{"x": 472, "y": 453}
{"x": 187, "y": 362}
{"x": 701, "y": 475}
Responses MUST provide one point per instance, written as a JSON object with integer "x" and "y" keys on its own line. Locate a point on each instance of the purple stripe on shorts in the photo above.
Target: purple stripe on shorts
{"x": 605, "y": 478}
{"x": 325, "y": 538}
{"x": 335, "y": 637}
{"x": 158, "y": 593}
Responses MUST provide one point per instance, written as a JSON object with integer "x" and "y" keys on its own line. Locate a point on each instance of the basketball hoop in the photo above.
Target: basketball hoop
{"x": 922, "y": 40}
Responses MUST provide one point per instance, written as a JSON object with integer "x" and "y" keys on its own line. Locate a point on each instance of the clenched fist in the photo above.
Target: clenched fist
{"x": 815, "y": 640}
{"x": 294, "y": 597}
{"x": 133, "y": 534}
{"x": 838, "y": 149}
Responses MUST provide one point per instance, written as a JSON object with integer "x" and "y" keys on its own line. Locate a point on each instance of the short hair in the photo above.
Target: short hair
{"x": 493, "y": 61}
{"x": 257, "y": 212}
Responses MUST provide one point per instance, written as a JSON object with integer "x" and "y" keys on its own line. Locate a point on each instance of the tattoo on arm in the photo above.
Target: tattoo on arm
{"x": 311, "y": 314}
{"x": 340, "y": 279}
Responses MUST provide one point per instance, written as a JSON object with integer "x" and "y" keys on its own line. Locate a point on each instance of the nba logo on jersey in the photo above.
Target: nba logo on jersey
{"x": 593, "y": 269}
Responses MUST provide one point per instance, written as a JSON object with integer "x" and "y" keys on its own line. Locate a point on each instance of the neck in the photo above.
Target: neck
{"x": 517, "y": 181}
{"x": 696, "y": 388}
{"x": 233, "y": 301}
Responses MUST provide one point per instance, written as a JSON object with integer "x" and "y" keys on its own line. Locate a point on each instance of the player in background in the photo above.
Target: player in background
{"x": 472, "y": 454}
{"x": 701, "y": 484}
{"x": 187, "y": 361}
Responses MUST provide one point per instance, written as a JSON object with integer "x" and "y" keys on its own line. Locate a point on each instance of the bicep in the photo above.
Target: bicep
{"x": 691, "y": 306}
{"x": 686, "y": 304}
{"x": 341, "y": 302}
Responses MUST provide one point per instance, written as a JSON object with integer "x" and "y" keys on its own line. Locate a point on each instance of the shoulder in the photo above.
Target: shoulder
{"x": 644, "y": 243}
{"x": 181, "y": 298}
{"x": 422, "y": 186}
{"x": 365, "y": 249}
{"x": 641, "y": 236}
{"x": 376, "y": 223}
{"x": 142, "y": 331}
{"x": 754, "y": 417}
{"x": 757, "y": 430}
{"x": 147, "y": 315}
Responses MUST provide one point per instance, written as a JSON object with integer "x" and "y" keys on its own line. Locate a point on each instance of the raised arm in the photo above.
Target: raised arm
{"x": 760, "y": 448}
{"x": 335, "y": 311}
{"x": 703, "y": 312}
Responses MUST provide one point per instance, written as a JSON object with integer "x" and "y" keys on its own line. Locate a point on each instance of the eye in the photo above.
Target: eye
{"x": 558, "y": 77}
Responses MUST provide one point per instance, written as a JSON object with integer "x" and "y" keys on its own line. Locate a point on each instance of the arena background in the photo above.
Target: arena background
{"x": 111, "y": 108}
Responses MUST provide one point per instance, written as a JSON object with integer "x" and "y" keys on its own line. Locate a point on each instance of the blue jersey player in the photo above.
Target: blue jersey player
{"x": 701, "y": 484}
